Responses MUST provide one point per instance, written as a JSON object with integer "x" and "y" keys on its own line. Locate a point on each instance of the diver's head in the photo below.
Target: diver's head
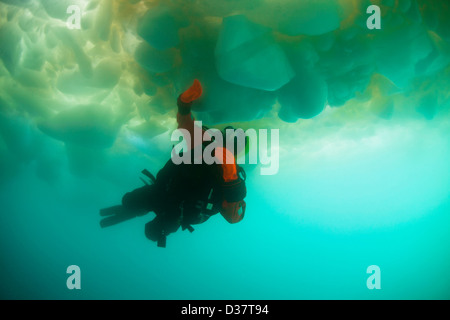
{"x": 235, "y": 210}
{"x": 234, "y": 192}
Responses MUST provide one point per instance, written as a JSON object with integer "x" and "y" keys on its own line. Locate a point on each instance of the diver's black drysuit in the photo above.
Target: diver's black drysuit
{"x": 182, "y": 195}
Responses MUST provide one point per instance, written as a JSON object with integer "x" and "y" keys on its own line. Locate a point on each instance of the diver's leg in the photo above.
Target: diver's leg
{"x": 141, "y": 200}
{"x": 135, "y": 203}
{"x": 160, "y": 227}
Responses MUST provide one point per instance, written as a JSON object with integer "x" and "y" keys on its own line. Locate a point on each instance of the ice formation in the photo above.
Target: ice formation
{"x": 114, "y": 81}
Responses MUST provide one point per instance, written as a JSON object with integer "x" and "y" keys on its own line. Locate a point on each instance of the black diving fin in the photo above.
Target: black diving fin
{"x": 115, "y": 215}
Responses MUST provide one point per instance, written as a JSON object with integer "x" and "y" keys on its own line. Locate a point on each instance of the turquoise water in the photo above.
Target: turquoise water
{"x": 364, "y": 147}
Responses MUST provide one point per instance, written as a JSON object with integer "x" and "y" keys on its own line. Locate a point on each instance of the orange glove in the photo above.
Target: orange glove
{"x": 193, "y": 93}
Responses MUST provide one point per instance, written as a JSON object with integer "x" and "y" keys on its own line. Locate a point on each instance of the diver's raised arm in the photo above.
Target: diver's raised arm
{"x": 184, "y": 103}
{"x": 185, "y": 119}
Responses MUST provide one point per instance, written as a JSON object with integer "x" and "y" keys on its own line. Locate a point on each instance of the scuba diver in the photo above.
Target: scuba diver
{"x": 184, "y": 194}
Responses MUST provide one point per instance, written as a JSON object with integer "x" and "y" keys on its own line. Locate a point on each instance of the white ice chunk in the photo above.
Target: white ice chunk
{"x": 247, "y": 56}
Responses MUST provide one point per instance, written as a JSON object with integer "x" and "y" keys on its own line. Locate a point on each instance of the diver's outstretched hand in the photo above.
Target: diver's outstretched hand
{"x": 192, "y": 93}
{"x": 115, "y": 215}
{"x": 185, "y": 100}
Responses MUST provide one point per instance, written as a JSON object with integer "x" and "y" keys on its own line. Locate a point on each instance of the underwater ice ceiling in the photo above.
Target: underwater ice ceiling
{"x": 85, "y": 73}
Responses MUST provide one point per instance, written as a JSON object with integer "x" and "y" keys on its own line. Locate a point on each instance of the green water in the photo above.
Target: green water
{"x": 364, "y": 148}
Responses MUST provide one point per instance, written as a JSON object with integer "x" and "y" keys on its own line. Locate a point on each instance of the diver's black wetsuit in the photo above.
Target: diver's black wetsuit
{"x": 182, "y": 195}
